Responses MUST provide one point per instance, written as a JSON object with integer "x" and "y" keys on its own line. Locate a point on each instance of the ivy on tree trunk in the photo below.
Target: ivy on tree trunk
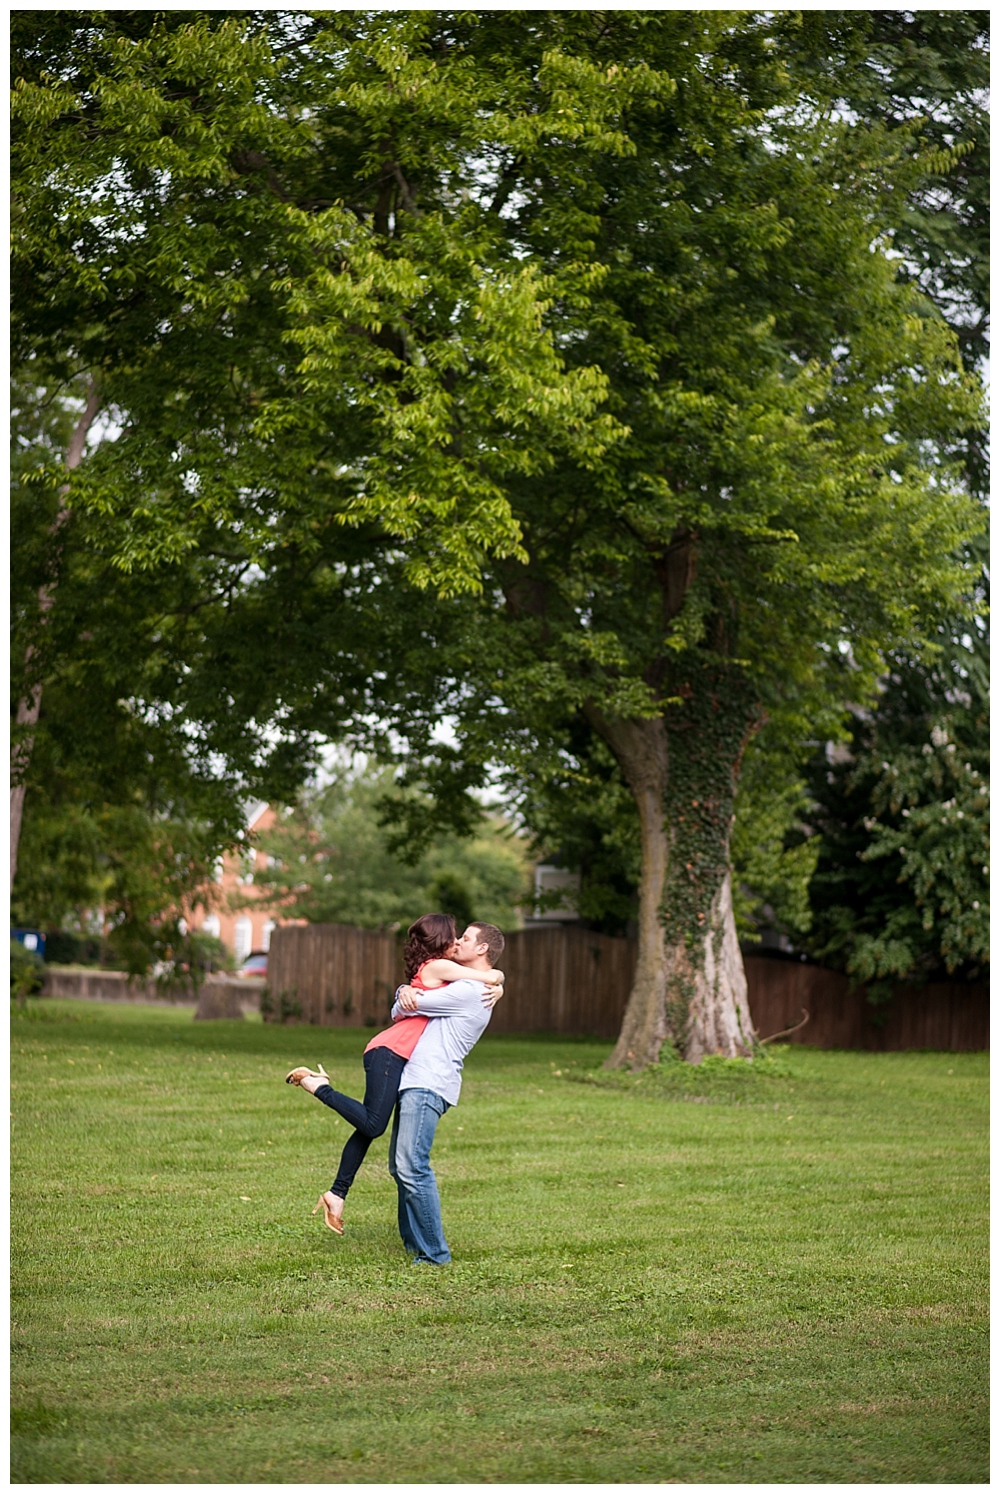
{"x": 690, "y": 988}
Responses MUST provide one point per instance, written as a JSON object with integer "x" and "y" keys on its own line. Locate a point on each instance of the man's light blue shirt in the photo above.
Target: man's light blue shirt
{"x": 460, "y": 1019}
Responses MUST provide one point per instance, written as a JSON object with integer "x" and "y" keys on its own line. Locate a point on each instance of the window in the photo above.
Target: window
{"x": 268, "y": 930}
{"x": 211, "y": 926}
{"x": 557, "y": 890}
{"x": 244, "y": 939}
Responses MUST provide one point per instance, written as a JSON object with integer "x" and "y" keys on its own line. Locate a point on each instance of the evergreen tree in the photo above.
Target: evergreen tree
{"x": 901, "y": 889}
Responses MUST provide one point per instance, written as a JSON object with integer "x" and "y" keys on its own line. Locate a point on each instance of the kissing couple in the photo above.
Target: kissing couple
{"x": 413, "y": 1071}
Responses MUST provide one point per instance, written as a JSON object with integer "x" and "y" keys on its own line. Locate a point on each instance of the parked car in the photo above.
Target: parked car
{"x": 255, "y": 964}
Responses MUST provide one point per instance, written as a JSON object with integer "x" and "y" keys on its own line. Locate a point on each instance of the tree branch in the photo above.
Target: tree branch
{"x": 505, "y": 186}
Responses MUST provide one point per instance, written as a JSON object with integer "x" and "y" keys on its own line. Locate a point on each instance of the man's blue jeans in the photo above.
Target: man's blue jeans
{"x": 413, "y": 1128}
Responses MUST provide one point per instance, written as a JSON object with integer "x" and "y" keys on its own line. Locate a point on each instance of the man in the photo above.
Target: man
{"x": 430, "y": 1085}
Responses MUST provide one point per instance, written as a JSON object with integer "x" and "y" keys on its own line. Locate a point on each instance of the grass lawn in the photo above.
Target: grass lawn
{"x": 722, "y": 1280}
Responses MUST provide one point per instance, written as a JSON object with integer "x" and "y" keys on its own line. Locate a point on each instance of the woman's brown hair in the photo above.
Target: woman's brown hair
{"x": 428, "y": 939}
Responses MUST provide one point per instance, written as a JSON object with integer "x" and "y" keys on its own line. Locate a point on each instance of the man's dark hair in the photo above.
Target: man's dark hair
{"x": 491, "y": 936}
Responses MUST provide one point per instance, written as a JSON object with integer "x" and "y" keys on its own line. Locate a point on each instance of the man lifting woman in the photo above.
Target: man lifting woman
{"x": 452, "y": 987}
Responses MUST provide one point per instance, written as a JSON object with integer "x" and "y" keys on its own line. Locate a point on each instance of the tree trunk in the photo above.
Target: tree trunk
{"x": 28, "y": 706}
{"x": 713, "y": 984}
{"x": 641, "y": 750}
{"x": 690, "y": 986}
{"x": 20, "y": 757}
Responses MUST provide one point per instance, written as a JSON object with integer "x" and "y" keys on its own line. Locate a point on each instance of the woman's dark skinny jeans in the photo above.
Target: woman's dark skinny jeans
{"x": 383, "y": 1071}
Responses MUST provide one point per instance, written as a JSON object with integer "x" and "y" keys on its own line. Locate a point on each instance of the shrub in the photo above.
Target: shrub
{"x": 27, "y": 971}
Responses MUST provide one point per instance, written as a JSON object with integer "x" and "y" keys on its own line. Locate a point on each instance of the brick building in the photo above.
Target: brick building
{"x": 242, "y": 929}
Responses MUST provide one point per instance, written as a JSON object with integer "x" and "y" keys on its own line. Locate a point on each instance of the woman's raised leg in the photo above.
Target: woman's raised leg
{"x": 383, "y": 1070}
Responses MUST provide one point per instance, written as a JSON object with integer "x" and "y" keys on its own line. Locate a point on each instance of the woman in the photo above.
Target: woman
{"x": 430, "y": 941}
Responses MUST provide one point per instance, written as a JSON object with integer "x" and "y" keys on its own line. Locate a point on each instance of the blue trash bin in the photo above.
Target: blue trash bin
{"x": 32, "y": 939}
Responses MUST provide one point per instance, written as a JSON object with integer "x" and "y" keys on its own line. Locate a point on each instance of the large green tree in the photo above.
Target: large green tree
{"x": 404, "y": 262}
{"x": 919, "y": 78}
{"x": 789, "y": 498}
{"x": 242, "y": 238}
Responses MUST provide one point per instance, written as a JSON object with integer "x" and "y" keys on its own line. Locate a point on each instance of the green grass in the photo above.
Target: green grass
{"x": 772, "y": 1280}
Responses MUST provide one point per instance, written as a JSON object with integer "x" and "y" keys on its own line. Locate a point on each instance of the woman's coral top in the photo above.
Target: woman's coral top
{"x": 402, "y": 1037}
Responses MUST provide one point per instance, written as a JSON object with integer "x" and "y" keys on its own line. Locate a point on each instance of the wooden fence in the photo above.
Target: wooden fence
{"x": 564, "y": 979}
{"x": 951, "y": 1016}
{"x": 331, "y": 975}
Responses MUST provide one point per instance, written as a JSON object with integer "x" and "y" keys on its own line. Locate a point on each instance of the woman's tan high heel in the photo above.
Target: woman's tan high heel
{"x": 296, "y": 1076}
{"x": 332, "y": 1222}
